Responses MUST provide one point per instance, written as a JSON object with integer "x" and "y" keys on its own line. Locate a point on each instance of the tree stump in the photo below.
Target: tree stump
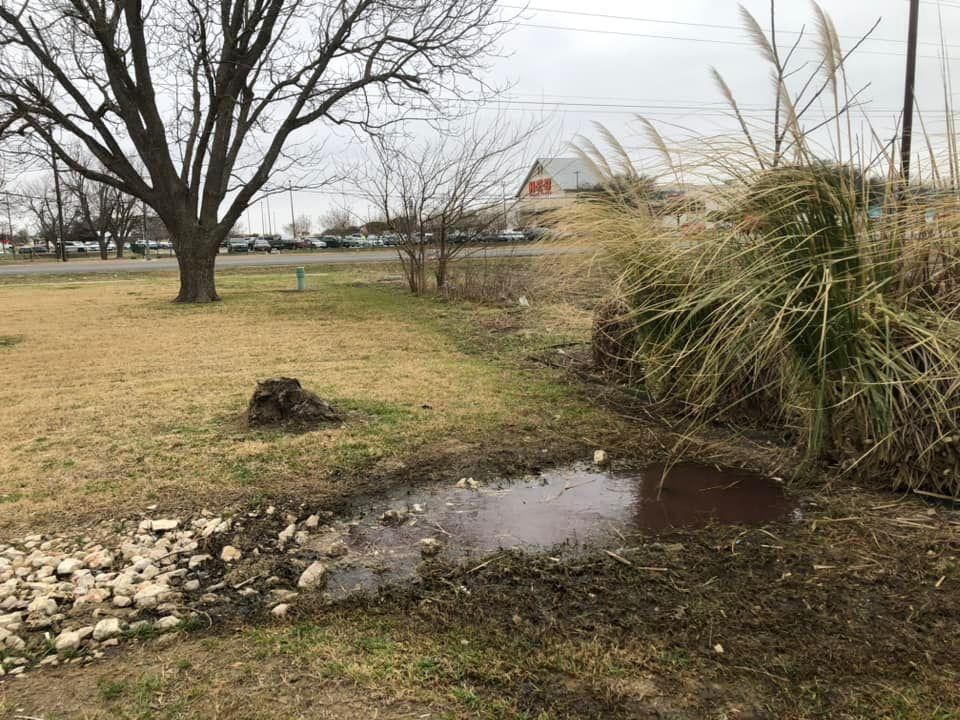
{"x": 283, "y": 401}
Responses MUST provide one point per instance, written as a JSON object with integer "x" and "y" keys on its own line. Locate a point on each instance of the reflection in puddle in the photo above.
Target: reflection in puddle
{"x": 572, "y": 506}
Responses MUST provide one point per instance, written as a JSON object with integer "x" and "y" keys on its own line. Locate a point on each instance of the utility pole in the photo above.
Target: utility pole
{"x": 269, "y": 216}
{"x": 56, "y": 187}
{"x": 908, "y": 92}
{"x": 503, "y": 198}
{"x": 293, "y": 219}
{"x": 263, "y": 220}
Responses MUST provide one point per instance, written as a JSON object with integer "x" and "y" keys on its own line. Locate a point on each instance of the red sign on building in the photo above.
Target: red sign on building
{"x": 543, "y": 186}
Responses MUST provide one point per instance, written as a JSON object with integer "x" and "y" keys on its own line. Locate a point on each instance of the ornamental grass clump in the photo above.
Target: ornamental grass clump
{"x": 814, "y": 297}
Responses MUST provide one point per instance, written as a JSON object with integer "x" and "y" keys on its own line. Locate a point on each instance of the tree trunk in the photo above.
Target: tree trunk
{"x": 197, "y": 283}
{"x": 443, "y": 260}
{"x": 441, "y": 273}
{"x": 120, "y": 245}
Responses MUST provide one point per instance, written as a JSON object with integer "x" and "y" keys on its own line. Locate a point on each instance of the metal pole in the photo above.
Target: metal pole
{"x": 269, "y": 216}
{"x": 908, "y": 92}
{"x": 293, "y": 219}
{"x": 263, "y": 220}
{"x": 503, "y": 197}
{"x": 56, "y": 187}
{"x": 146, "y": 242}
{"x": 10, "y": 222}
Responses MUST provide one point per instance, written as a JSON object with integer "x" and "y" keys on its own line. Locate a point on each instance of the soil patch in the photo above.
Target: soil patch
{"x": 846, "y": 612}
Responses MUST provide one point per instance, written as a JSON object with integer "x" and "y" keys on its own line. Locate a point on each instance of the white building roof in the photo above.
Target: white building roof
{"x": 569, "y": 173}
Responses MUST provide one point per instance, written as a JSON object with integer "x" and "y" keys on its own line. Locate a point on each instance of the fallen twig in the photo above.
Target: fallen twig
{"x": 823, "y": 521}
{"x": 247, "y": 581}
{"x": 939, "y": 496}
{"x": 619, "y": 558}
{"x": 567, "y": 486}
{"x": 770, "y": 535}
{"x": 484, "y": 564}
{"x": 624, "y": 561}
{"x": 903, "y": 522}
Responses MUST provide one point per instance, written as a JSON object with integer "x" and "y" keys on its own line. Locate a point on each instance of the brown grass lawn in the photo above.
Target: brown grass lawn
{"x": 115, "y": 398}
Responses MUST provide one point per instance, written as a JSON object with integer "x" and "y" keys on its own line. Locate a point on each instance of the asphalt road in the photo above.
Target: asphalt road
{"x": 283, "y": 259}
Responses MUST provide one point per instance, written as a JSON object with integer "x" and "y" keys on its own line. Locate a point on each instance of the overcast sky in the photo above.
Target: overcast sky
{"x": 566, "y": 61}
{"x": 608, "y": 61}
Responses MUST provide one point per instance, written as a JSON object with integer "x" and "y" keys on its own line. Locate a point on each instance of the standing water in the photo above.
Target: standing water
{"x": 576, "y": 506}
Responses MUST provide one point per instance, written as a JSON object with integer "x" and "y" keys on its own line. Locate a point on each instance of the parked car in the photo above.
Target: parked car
{"x": 136, "y": 246}
{"x": 511, "y": 236}
{"x": 280, "y": 243}
{"x": 238, "y": 245}
{"x": 261, "y": 245}
{"x": 315, "y": 243}
{"x": 74, "y": 248}
{"x": 32, "y": 250}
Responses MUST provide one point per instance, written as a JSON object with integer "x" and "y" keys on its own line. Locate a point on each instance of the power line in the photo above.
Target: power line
{"x": 713, "y": 41}
{"x": 672, "y": 106}
{"x": 710, "y": 26}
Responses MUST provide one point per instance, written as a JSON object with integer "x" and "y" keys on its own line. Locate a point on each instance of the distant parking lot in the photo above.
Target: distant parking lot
{"x": 248, "y": 244}
{"x": 272, "y": 243}
{"x": 165, "y": 263}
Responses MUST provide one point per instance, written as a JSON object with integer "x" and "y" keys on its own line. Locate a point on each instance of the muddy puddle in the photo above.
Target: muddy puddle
{"x": 573, "y": 507}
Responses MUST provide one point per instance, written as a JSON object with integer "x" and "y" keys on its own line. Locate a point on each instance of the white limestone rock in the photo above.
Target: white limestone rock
{"x": 313, "y": 576}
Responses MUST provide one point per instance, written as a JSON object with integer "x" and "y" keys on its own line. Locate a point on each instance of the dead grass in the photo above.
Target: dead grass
{"x": 116, "y": 398}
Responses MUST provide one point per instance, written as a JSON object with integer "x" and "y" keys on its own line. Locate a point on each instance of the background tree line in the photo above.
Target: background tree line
{"x": 92, "y": 212}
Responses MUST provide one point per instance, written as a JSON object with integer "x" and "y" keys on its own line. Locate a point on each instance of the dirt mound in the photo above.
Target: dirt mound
{"x": 283, "y": 401}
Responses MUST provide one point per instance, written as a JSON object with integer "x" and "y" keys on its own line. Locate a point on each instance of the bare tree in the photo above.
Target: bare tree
{"x": 39, "y": 203}
{"x": 338, "y": 221}
{"x": 439, "y": 196}
{"x": 192, "y": 105}
{"x": 302, "y": 226}
{"x": 94, "y": 207}
{"x": 103, "y": 211}
{"x": 122, "y": 219}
